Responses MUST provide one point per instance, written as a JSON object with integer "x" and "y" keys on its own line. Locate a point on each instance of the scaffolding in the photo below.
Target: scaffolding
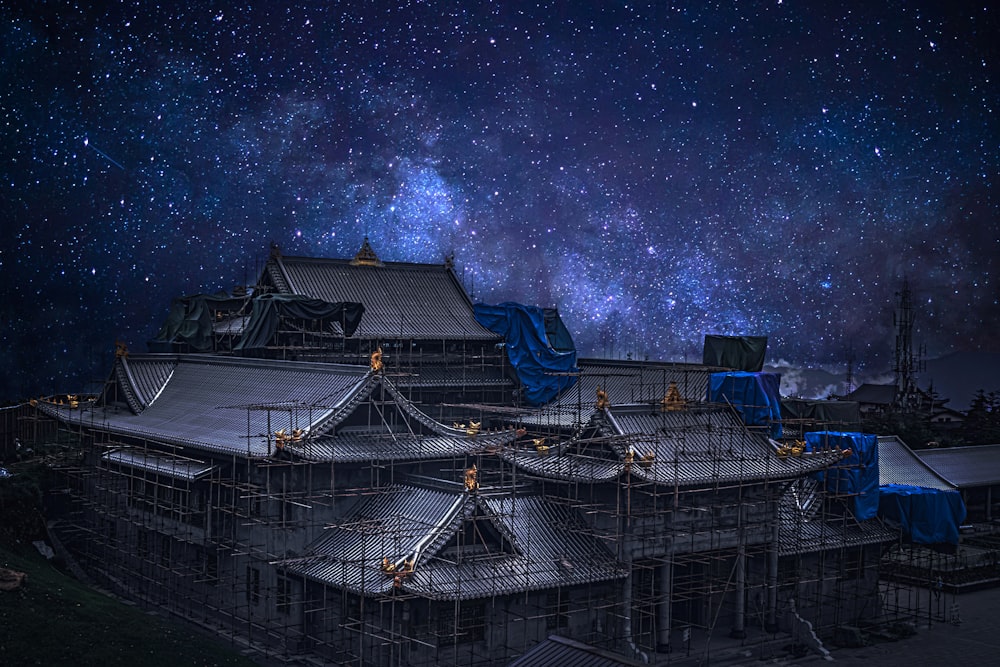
{"x": 221, "y": 540}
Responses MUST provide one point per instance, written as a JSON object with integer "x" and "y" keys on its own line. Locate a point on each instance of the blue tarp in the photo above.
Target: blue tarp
{"x": 754, "y": 395}
{"x": 927, "y": 516}
{"x": 537, "y": 365}
{"x": 856, "y": 476}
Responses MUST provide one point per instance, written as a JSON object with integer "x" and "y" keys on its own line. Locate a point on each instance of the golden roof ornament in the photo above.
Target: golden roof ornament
{"x": 376, "y": 361}
{"x": 794, "y": 448}
{"x": 366, "y": 256}
{"x": 121, "y": 349}
{"x": 672, "y": 400}
{"x": 602, "y": 399}
{"x": 471, "y": 481}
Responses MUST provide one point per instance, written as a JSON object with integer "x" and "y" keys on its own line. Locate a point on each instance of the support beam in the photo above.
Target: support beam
{"x": 666, "y": 585}
{"x": 739, "y": 617}
{"x": 771, "y": 622}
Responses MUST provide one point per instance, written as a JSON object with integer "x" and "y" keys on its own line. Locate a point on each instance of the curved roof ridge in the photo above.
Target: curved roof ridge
{"x": 127, "y": 383}
{"x": 501, "y": 438}
{"x": 361, "y": 391}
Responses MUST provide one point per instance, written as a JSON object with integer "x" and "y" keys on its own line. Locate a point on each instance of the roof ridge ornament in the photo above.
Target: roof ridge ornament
{"x": 366, "y": 256}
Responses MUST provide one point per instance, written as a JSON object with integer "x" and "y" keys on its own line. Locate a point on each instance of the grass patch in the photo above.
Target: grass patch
{"x": 54, "y": 619}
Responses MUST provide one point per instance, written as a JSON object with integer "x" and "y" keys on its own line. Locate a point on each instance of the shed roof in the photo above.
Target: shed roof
{"x": 965, "y": 466}
{"x": 402, "y": 300}
{"x": 159, "y": 463}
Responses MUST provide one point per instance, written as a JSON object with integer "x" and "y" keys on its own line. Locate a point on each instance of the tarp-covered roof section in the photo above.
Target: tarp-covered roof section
{"x": 741, "y": 353}
{"x": 856, "y": 477}
{"x": 542, "y": 370}
{"x": 401, "y": 300}
{"x": 192, "y": 320}
{"x": 269, "y": 308}
{"x": 754, "y": 395}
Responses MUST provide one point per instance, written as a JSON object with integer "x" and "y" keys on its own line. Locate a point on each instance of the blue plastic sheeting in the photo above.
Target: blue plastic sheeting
{"x": 754, "y": 395}
{"x": 927, "y": 516}
{"x": 533, "y": 359}
{"x": 856, "y": 476}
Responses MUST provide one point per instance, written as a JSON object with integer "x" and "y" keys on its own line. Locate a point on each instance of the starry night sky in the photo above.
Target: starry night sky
{"x": 655, "y": 171}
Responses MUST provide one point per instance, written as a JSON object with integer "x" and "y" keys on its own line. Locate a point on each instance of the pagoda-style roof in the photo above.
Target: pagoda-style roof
{"x": 236, "y": 405}
{"x": 220, "y": 404}
{"x": 698, "y": 445}
{"x": 423, "y": 541}
{"x": 402, "y": 300}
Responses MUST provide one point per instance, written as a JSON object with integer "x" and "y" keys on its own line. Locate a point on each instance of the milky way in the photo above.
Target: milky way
{"x": 656, "y": 172}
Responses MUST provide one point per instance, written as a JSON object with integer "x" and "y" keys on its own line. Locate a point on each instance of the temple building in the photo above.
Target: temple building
{"x": 351, "y": 462}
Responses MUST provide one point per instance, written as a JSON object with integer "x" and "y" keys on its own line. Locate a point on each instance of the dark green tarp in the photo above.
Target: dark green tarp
{"x": 190, "y": 321}
{"x": 270, "y": 308}
{"x": 832, "y": 412}
{"x": 191, "y": 318}
{"x": 741, "y": 353}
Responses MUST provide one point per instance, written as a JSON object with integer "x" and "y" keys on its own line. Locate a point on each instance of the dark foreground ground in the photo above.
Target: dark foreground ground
{"x": 975, "y": 640}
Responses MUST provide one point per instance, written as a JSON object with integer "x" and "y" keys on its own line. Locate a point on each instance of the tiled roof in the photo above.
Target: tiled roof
{"x": 401, "y": 300}
{"x": 226, "y": 404}
{"x": 159, "y": 463}
{"x": 391, "y": 524}
{"x": 562, "y": 651}
{"x": 549, "y": 550}
{"x": 697, "y": 446}
{"x": 876, "y": 394}
{"x": 347, "y": 447}
{"x": 898, "y": 464}
{"x": 624, "y": 382}
{"x": 797, "y": 537}
{"x": 147, "y": 376}
{"x": 450, "y": 376}
{"x": 802, "y": 528}
{"x": 965, "y": 466}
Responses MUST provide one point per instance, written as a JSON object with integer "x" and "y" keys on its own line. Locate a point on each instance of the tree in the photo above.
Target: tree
{"x": 982, "y": 421}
